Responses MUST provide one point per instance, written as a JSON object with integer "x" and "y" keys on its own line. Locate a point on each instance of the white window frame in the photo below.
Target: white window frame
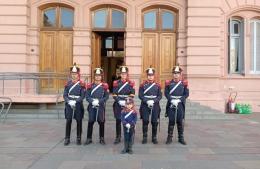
{"x": 239, "y": 36}
{"x": 253, "y": 55}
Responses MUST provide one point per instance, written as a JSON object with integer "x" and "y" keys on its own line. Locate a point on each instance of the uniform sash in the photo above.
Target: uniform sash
{"x": 122, "y": 86}
{"x": 72, "y": 87}
{"x": 128, "y": 114}
{"x": 175, "y": 87}
{"x": 149, "y": 88}
{"x": 95, "y": 89}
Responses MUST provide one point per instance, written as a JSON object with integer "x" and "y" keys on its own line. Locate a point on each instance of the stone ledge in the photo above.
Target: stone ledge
{"x": 34, "y": 99}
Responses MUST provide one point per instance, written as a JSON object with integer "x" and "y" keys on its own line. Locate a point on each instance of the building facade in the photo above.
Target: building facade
{"x": 216, "y": 42}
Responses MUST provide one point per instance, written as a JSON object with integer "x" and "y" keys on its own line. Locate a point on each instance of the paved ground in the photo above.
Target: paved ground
{"x": 213, "y": 144}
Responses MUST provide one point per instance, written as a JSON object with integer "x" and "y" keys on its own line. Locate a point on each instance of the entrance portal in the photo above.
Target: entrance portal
{"x": 108, "y": 52}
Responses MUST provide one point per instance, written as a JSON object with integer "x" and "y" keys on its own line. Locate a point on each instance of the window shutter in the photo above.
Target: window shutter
{"x": 241, "y": 48}
{"x": 257, "y": 61}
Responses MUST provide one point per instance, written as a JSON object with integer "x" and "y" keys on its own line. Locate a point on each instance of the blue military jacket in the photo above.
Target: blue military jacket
{"x": 154, "y": 93}
{"x": 126, "y": 91}
{"x": 131, "y": 119}
{"x": 74, "y": 91}
{"x": 102, "y": 94}
{"x": 181, "y": 91}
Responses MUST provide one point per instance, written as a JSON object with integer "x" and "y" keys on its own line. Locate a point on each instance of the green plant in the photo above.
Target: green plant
{"x": 243, "y": 108}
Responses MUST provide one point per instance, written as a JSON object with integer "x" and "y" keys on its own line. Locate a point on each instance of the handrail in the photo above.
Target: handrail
{"x": 35, "y": 78}
{"x": 4, "y": 115}
{"x": 57, "y": 99}
{"x": 3, "y": 106}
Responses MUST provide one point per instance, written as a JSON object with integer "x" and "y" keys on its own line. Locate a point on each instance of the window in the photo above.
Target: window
{"x": 100, "y": 18}
{"x": 255, "y": 46}
{"x": 118, "y": 20}
{"x": 49, "y": 17}
{"x": 109, "y": 43}
{"x": 57, "y": 17}
{"x": 159, "y": 19}
{"x": 236, "y": 46}
{"x": 167, "y": 20}
{"x": 67, "y": 18}
{"x": 108, "y": 18}
{"x": 150, "y": 20}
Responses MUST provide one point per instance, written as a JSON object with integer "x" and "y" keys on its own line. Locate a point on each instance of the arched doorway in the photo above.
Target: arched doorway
{"x": 159, "y": 41}
{"x": 56, "y": 41}
{"x": 108, "y": 40}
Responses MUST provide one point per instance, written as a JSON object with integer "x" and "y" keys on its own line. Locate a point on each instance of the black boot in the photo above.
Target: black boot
{"x": 145, "y": 129}
{"x": 89, "y": 134}
{"x": 154, "y": 133}
{"x": 180, "y": 134}
{"x": 118, "y": 132}
{"x": 130, "y": 145}
{"x": 79, "y": 131}
{"x": 125, "y": 148}
{"x": 67, "y": 132}
{"x": 66, "y": 141}
{"x": 102, "y": 141}
{"x": 170, "y": 134}
{"x": 102, "y": 133}
{"x": 88, "y": 141}
{"x": 130, "y": 150}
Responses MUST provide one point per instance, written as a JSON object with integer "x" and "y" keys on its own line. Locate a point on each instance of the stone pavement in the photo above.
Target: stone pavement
{"x": 212, "y": 144}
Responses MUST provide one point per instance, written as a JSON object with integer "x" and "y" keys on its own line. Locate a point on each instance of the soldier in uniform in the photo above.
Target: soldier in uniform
{"x": 74, "y": 93}
{"x": 128, "y": 118}
{"x": 122, "y": 89}
{"x": 150, "y": 95}
{"x": 176, "y": 92}
{"x": 97, "y": 94}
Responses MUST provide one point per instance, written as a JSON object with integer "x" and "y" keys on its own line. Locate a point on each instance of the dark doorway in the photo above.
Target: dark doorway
{"x": 112, "y": 54}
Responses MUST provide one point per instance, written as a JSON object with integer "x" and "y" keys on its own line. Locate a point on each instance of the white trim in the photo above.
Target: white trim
{"x": 128, "y": 114}
{"x": 241, "y": 45}
{"x": 254, "y": 46}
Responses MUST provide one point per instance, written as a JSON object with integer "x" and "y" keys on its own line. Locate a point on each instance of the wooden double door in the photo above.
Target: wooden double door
{"x": 159, "y": 51}
{"x": 55, "y": 58}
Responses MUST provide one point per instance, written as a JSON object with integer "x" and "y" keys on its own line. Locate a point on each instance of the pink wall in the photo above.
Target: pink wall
{"x": 202, "y": 44}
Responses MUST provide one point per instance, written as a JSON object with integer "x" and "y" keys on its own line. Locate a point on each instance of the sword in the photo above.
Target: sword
{"x": 133, "y": 136}
{"x": 159, "y": 124}
{"x": 73, "y": 112}
{"x": 96, "y": 114}
{"x": 176, "y": 111}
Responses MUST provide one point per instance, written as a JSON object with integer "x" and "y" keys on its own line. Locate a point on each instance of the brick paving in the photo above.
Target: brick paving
{"x": 212, "y": 144}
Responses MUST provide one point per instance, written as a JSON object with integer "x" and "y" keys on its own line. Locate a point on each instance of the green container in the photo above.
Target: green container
{"x": 244, "y": 108}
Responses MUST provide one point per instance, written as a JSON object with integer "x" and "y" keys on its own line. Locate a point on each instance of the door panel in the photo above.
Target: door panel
{"x": 159, "y": 51}
{"x": 64, "y": 54}
{"x": 150, "y": 52}
{"x": 55, "y": 57}
{"x": 167, "y": 56}
{"x": 95, "y": 52}
{"x": 47, "y": 57}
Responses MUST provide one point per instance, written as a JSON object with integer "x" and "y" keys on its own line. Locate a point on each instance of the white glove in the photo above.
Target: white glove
{"x": 95, "y": 102}
{"x": 128, "y": 126}
{"x": 175, "y": 102}
{"x": 72, "y": 103}
{"x": 121, "y": 102}
{"x": 150, "y": 103}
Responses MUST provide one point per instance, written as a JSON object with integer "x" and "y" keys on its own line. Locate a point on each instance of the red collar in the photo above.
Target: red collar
{"x": 176, "y": 81}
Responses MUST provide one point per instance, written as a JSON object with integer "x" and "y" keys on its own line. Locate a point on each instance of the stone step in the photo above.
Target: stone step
{"x": 59, "y": 113}
{"x": 193, "y": 110}
{"x": 110, "y": 117}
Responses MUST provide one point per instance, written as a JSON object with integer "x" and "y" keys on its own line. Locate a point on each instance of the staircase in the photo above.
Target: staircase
{"x": 194, "y": 111}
